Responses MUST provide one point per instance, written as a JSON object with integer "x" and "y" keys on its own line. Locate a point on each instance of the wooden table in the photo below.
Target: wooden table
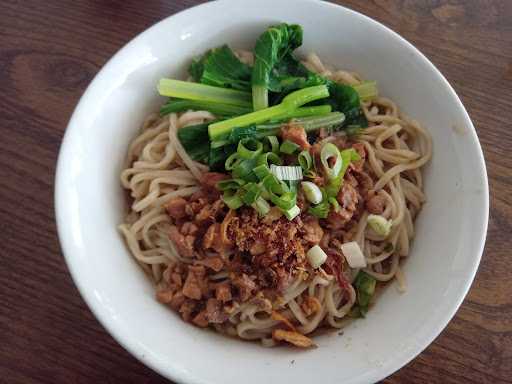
{"x": 51, "y": 50}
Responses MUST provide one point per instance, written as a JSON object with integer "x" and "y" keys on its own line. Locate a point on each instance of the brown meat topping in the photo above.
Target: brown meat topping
{"x": 191, "y": 289}
{"x": 223, "y": 292}
{"x": 314, "y": 231}
{"x": 201, "y": 319}
{"x": 214, "y": 312}
{"x": 296, "y": 134}
{"x": 176, "y": 208}
{"x": 245, "y": 286}
{"x": 184, "y": 244}
{"x": 215, "y": 263}
{"x": 376, "y": 204}
{"x": 210, "y": 179}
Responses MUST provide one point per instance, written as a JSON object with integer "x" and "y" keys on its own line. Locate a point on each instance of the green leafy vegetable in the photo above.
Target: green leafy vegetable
{"x": 331, "y": 120}
{"x": 201, "y": 92}
{"x": 195, "y": 141}
{"x": 219, "y": 109}
{"x": 274, "y": 44}
{"x": 291, "y": 102}
{"x": 221, "y": 68}
{"x": 344, "y": 98}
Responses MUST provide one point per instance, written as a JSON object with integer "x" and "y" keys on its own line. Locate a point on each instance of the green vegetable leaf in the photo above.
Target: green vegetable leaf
{"x": 290, "y": 74}
{"x": 195, "y": 141}
{"x": 274, "y": 44}
{"x": 344, "y": 98}
{"x": 220, "y": 67}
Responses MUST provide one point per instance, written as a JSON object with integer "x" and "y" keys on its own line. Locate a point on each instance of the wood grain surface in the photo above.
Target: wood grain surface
{"x": 51, "y": 50}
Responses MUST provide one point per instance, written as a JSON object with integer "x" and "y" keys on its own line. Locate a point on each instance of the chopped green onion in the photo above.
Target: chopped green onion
{"x": 264, "y": 192}
{"x": 292, "y": 212}
{"x": 261, "y": 206}
{"x": 380, "y": 225}
{"x": 244, "y": 170}
{"x": 232, "y": 161}
{"x": 231, "y": 184}
{"x": 249, "y": 148}
{"x": 286, "y": 172}
{"x": 274, "y": 143}
{"x": 305, "y": 160}
{"x": 312, "y": 192}
{"x": 201, "y": 92}
{"x": 279, "y": 192}
{"x": 261, "y": 171}
{"x": 316, "y": 256}
{"x": 286, "y": 201}
{"x": 334, "y": 203}
{"x": 334, "y": 185}
{"x": 252, "y": 192}
{"x": 320, "y": 210}
{"x": 289, "y": 147}
{"x": 232, "y": 199}
{"x": 365, "y": 289}
{"x": 268, "y": 159}
{"x": 366, "y": 90}
{"x": 329, "y": 150}
{"x": 272, "y": 183}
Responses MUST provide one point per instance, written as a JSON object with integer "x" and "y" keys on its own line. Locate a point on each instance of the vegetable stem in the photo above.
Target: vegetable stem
{"x": 366, "y": 90}
{"x": 202, "y": 92}
{"x": 219, "y": 109}
{"x": 259, "y": 97}
{"x": 307, "y": 111}
{"x": 290, "y": 103}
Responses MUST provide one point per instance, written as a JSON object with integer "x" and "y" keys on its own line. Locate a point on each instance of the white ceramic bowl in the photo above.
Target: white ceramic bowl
{"x": 89, "y": 201}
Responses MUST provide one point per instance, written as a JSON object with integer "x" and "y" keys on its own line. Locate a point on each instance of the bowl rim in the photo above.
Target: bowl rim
{"x": 132, "y": 346}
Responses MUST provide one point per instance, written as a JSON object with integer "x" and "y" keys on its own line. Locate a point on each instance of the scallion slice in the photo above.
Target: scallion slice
{"x": 244, "y": 170}
{"x": 261, "y": 206}
{"x": 231, "y": 184}
{"x": 268, "y": 159}
{"x": 251, "y": 192}
{"x": 274, "y": 143}
{"x": 380, "y": 225}
{"x": 286, "y": 172}
{"x": 330, "y": 151}
{"x": 232, "y": 199}
{"x": 249, "y": 148}
{"x": 305, "y": 160}
{"x": 292, "y": 212}
{"x": 332, "y": 200}
{"x": 312, "y": 192}
{"x": 289, "y": 147}
{"x": 261, "y": 171}
{"x": 232, "y": 161}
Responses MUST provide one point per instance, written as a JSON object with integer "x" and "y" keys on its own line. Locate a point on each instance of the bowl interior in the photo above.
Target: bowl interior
{"x": 90, "y": 202}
